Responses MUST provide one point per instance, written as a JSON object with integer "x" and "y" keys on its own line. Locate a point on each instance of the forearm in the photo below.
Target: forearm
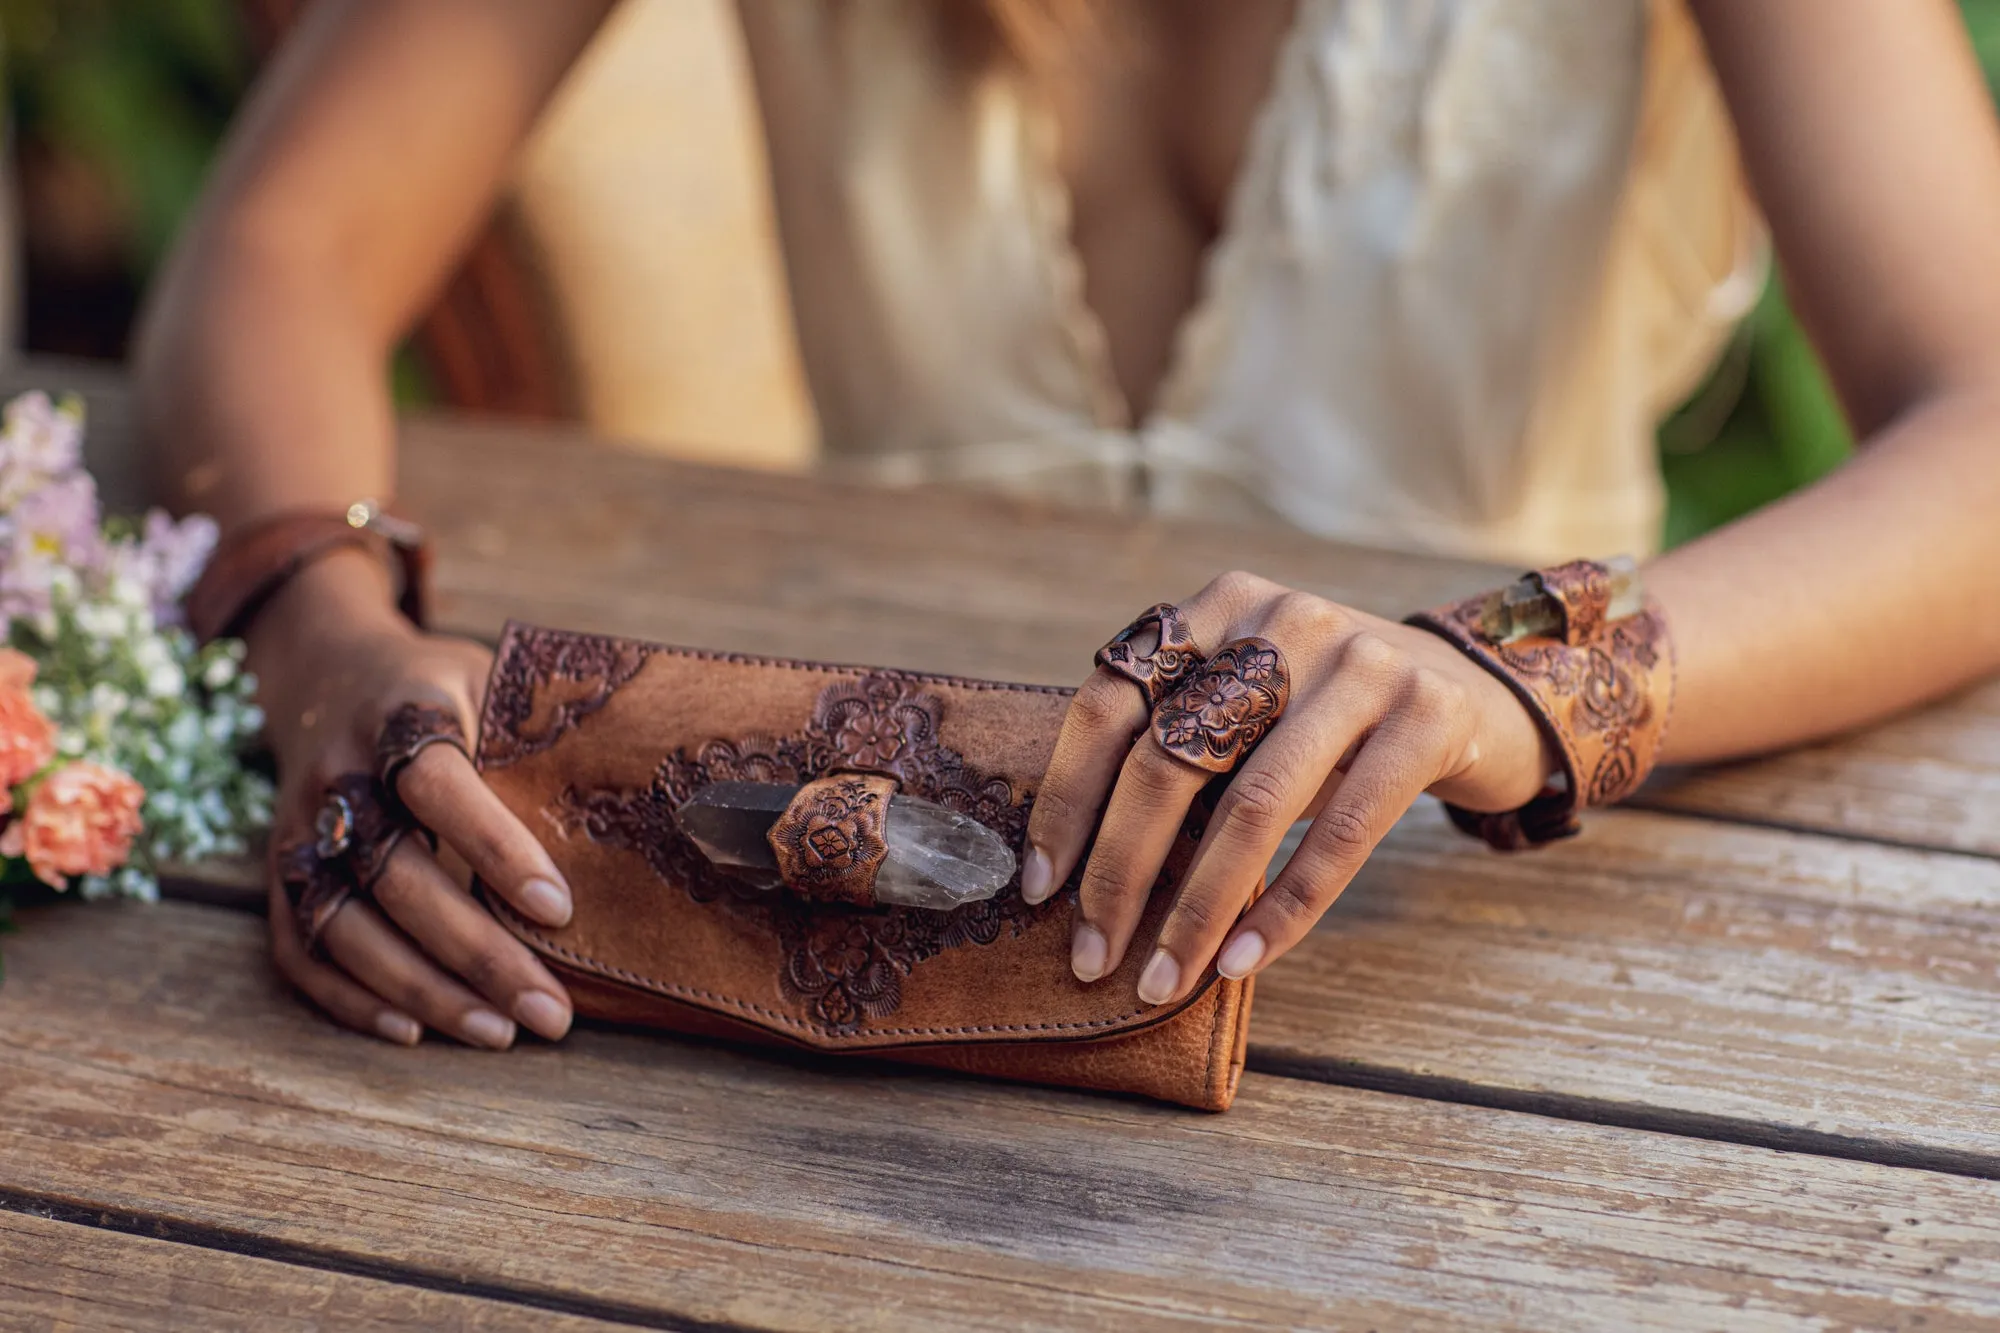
{"x": 1870, "y": 592}
{"x": 260, "y": 387}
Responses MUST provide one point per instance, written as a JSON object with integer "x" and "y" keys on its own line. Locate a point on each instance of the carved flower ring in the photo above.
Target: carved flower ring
{"x": 1218, "y": 717}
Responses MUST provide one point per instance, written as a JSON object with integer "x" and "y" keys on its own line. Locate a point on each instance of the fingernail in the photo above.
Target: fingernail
{"x": 1242, "y": 956}
{"x": 546, "y": 901}
{"x": 542, "y": 1014}
{"x": 399, "y": 1028}
{"x": 1087, "y": 951}
{"x": 483, "y": 1027}
{"x": 1038, "y": 877}
{"x": 1161, "y": 978}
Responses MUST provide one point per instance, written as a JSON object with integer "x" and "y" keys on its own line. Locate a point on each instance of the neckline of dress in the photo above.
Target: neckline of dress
{"x": 1198, "y": 325}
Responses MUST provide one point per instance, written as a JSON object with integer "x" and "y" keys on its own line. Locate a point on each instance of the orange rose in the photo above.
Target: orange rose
{"x": 27, "y": 739}
{"x": 80, "y": 821}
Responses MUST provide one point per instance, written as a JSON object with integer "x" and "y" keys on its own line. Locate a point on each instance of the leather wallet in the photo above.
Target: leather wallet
{"x": 595, "y": 743}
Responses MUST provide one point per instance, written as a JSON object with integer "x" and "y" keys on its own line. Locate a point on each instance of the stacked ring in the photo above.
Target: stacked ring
{"x": 1160, "y": 671}
{"x": 360, "y": 822}
{"x": 1226, "y": 706}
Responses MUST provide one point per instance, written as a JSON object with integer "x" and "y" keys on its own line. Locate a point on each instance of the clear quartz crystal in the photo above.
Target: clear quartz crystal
{"x": 938, "y": 859}
{"x": 1522, "y": 608}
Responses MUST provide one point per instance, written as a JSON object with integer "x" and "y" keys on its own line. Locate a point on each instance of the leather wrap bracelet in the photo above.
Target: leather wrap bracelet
{"x": 252, "y": 563}
{"x": 1589, "y": 654}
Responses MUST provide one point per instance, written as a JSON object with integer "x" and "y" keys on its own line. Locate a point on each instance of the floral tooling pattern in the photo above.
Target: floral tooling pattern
{"x": 845, "y": 963}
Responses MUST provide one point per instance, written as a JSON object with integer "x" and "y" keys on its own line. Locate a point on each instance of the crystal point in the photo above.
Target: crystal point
{"x": 937, "y": 858}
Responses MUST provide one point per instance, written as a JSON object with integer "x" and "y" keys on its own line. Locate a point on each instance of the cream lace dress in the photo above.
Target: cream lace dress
{"x": 1476, "y": 248}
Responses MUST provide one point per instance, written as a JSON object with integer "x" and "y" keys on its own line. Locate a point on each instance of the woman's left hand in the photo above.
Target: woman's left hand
{"x": 1378, "y": 713}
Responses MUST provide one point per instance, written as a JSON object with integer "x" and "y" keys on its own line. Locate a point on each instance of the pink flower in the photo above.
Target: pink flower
{"x": 80, "y": 820}
{"x": 27, "y": 739}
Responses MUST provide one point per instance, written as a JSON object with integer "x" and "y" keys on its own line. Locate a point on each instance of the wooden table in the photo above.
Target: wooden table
{"x": 1724, "y": 1061}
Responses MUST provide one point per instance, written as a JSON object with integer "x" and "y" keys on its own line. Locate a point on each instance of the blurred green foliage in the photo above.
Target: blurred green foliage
{"x": 1768, "y": 422}
{"x": 141, "y": 90}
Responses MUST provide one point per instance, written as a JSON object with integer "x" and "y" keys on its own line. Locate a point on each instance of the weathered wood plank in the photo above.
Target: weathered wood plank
{"x": 63, "y": 1277}
{"x": 1931, "y": 779}
{"x": 934, "y": 579}
{"x": 148, "y": 1064}
{"x": 1801, "y": 986}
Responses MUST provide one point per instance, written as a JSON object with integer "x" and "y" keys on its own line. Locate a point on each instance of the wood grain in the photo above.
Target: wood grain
{"x": 148, "y": 1065}
{"x": 1931, "y": 779}
{"x": 69, "y": 1278}
{"x": 1670, "y": 972}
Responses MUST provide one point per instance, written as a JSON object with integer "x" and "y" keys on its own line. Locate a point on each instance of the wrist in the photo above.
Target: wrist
{"x": 347, "y": 594}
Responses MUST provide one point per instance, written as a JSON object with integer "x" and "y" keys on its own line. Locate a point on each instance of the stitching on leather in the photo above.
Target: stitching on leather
{"x": 803, "y": 664}
{"x": 674, "y": 990}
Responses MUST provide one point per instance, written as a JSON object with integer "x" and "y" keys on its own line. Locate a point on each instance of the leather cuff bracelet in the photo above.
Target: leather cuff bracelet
{"x": 1588, "y": 653}
{"x": 252, "y": 563}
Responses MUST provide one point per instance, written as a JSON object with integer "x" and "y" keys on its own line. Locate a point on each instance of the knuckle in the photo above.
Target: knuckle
{"x": 419, "y": 996}
{"x": 1256, "y": 803}
{"x": 1369, "y": 655}
{"x": 489, "y": 967}
{"x": 489, "y": 851}
{"x": 1295, "y": 901}
{"x": 1234, "y": 585}
{"x": 1199, "y": 916}
{"x": 1435, "y": 697}
{"x": 1105, "y": 891}
{"x": 1342, "y": 834}
{"x": 1053, "y": 806}
{"x": 1105, "y": 705}
{"x": 1153, "y": 775}
{"x": 1304, "y": 616}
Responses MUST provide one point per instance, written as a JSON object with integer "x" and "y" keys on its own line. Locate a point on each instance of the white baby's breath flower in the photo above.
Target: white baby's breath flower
{"x": 220, "y": 671}
{"x": 101, "y": 620}
{"x": 108, "y": 701}
{"x": 166, "y": 681}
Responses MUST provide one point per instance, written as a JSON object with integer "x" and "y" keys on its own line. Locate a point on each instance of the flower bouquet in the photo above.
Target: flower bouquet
{"x": 121, "y": 741}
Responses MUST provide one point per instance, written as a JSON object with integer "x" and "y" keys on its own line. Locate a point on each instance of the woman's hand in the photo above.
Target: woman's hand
{"x": 1378, "y": 713}
{"x": 333, "y": 662}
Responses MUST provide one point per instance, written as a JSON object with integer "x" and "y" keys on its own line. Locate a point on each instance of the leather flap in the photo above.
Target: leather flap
{"x": 594, "y": 742}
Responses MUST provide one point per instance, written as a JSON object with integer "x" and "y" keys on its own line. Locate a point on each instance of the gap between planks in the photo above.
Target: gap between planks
{"x": 250, "y": 1245}
{"x": 1625, "y": 1115}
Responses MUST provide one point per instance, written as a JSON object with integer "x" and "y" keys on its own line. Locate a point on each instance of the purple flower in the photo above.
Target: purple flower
{"x": 39, "y": 442}
{"x": 168, "y": 558}
{"x": 52, "y": 529}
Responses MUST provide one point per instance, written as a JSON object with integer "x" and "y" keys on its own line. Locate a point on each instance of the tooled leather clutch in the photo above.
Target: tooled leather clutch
{"x": 597, "y": 743}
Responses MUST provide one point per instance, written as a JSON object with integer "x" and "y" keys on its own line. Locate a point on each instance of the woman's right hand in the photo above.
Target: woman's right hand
{"x": 333, "y": 660}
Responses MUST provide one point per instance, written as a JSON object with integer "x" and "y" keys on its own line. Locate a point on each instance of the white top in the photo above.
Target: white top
{"x": 1476, "y": 249}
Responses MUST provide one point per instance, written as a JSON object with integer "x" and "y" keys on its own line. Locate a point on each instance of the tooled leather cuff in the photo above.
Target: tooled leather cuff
{"x": 830, "y": 842}
{"x": 251, "y": 564}
{"x": 1601, "y": 689}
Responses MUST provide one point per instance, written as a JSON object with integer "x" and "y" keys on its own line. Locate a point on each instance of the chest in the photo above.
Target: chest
{"x": 1157, "y": 103}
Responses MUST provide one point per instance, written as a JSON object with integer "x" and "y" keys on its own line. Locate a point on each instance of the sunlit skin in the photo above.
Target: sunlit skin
{"x": 370, "y": 155}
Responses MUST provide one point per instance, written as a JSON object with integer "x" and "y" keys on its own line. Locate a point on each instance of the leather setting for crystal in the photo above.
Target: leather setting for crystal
{"x": 829, "y": 842}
